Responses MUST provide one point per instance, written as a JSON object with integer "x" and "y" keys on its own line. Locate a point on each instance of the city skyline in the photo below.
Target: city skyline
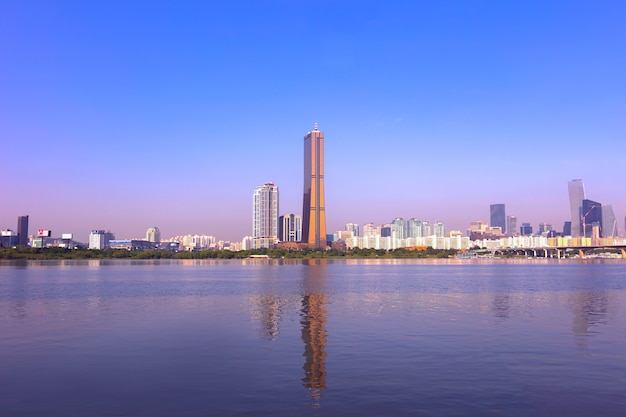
{"x": 435, "y": 111}
{"x": 271, "y": 216}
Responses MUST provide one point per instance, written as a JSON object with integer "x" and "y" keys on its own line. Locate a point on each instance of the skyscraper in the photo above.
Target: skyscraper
{"x": 511, "y": 225}
{"x": 22, "y": 230}
{"x": 609, "y": 224}
{"x": 497, "y": 216}
{"x": 265, "y": 216}
{"x": 591, "y": 216}
{"x": 576, "y": 190}
{"x": 567, "y": 228}
{"x": 313, "y": 205}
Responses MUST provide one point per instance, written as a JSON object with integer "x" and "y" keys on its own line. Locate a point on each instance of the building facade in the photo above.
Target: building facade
{"x": 567, "y": 228}
{"x": 98, "y": 240}
{"x": 591, "y": 216}
{"x": 497, "y": 216}
{"x": 290, "y": 228}
{"x": 8, "y": 238}
{"x": 511, "y": 225}
{"x": 413, "y": 228}
{"x": 609, "y": 223}
{"x": 576, "y": 190}
{"x": 22, "y": 230}
{"x": 354, "y": 228}
{"x": 439, "y": 229}
{"x": 153, "y": 234}
{"x": 526, "y": 229}
{"x": 398, "y": 226}
{"x": 370, "y": 230}
{"x": 265, "y": 216}
{"x": 313, "y": 202}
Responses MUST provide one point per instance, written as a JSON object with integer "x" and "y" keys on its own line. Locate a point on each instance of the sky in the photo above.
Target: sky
{"x": 122, "y": 115}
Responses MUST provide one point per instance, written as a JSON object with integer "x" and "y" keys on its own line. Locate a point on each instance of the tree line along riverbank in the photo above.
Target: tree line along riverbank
{"x": 62, "y": 253}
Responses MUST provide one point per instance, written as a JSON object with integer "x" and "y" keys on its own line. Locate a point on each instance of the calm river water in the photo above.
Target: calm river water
{"x": 313, "y": 338}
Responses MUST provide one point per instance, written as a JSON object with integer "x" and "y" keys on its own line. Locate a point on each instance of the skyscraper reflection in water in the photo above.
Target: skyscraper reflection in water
{"x": 313, "y": 320}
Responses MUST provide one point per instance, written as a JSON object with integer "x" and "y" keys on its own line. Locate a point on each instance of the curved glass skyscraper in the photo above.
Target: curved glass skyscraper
{"x": 576, "y": 191}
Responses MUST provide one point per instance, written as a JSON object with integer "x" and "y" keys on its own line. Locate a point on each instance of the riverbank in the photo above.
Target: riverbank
{"x": 62, "y": 253}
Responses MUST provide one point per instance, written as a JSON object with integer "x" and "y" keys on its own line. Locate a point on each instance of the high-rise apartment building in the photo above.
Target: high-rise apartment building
{"x": 439, "y": 229}
{"x": 576, "y": 191}
{"x": 22, "y": 230}
{"x": 398, "y": 226}
{"x": 413, "y": 228}
{"x": 290, "y": 228}
{"x": 354, "y": 228}
{"x": 153, "y": 234}
{"x": 265, "y": 216}
{"x": 370, "y": 230}
{"x": 426, "y": 229}
{"x": 497, "y": 217}
{"x": 313, "y": 204}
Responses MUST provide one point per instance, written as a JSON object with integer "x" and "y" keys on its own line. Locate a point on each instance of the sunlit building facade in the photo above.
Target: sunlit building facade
{"x": 290, "y": 228}
{"x": 98, "y": 240}
{"x": 265, "y": 216}
{"x": 313, "y": 203}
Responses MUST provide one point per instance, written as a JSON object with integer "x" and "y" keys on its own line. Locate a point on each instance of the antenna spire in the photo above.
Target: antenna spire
{"x": 315, "y": 127}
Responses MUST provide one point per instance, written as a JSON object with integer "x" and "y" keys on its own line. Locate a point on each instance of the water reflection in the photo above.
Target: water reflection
{"x": 313, "y": 320}
{"x": 590, "y": 308}
{"x": 589, "y": 304}
{"x": 19, "y": 297}
{"x": 269, "y": 311}
{"x": 501, "y": 305}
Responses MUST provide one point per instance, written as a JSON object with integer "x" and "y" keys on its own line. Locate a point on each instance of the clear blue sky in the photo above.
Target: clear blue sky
{"x": 122, "y": 115}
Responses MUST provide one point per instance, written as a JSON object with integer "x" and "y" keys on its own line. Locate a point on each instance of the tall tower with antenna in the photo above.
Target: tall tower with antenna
{"x": 313, "y": 204}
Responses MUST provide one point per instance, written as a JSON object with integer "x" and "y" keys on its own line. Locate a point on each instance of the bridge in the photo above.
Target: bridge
{"x": 557, "y": 252}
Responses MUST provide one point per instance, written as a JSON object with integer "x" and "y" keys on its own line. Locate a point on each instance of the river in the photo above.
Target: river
{"x": 313, "y": 338}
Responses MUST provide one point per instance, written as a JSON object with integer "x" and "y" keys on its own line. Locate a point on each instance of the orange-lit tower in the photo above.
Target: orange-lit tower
{"x": 313, "y": 206}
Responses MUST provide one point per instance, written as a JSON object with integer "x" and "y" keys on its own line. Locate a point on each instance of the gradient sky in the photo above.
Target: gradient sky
{"x": 122, "y": 115}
